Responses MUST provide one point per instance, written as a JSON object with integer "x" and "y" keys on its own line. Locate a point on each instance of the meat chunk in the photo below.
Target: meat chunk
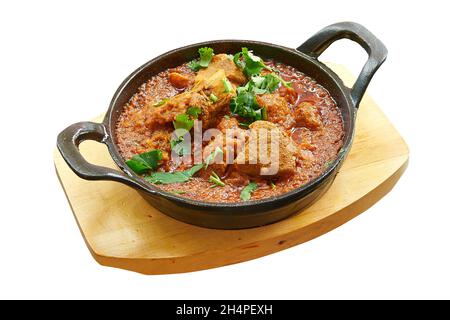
{"x": 212, "y": 109}
{"x": 277, "y": 108}
{"x": 231, "y": 141}
{"x": 288, "y": 93}
{"x": 307, "y": 115}
{"x": 210, "y": 80}
{"x": 155, "y": 116}
{"x": 179, "y": 80}
{"x": 222, "y": 62}
{"x": 159, "y": 139}
{"x": 218, "y": 164}
{"x": 268, "y": 152}
{"x": 198, "y": 96}
{"x": 234, "y": 138}
{"x": 237, "y": 179}
{"x": 228, "y": 123}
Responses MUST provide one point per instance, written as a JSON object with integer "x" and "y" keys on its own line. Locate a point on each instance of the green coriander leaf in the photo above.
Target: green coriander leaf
{"x": 268, "y": 83}
{"x": 173, "y": 142}
{"x": 206, "y": 55}
{"x": 246, "y": 193}
{"x": 244, "y": 104}
{"x": 194, "y": 65}
{"x": 173, "y": 177}
{"x": 179, "y": 147}
{"x": 194, "y": 112}
{"x": 263, "y": 113}
{"x": 145, "y": 161}
{"x": 190, "y": 172}
{"x": 258, "y": 90}
{"x": 253, "y": 64}
{"x": 182, "y": 121}
{"x": 283, "y": 82}
{"x": 238, "y": 62}
{"x": 272, "y": 185}
{"x": 178, "y": 191}
{"x": 257, "y": 81}
{"x": 259, "y": 114}
{"x": 160, "y": 103}
{"x": 167, "y": 177}
{"x": 286, "y": 83}
{"x": 217, "y": 152}
{"x": 214, "y": 178}
{"x": 328, "y": 163}
{"x": 227, "y": 85}
{"x": 213, "y": 98}
{"x": 249, "y": 63}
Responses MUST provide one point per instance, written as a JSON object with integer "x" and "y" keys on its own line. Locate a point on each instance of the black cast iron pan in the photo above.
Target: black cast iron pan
{"x": 242, "y": 214}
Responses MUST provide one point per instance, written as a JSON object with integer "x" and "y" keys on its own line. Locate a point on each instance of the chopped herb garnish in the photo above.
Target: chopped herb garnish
{"x": 263, "y": 113}
{"x": 272, "y": 185}
{"x": 257, "y": 84}
{"x": 160, "y": 103}
{"x": 213, "y": 98}
{"x": 267, "y": 83}
{"x": 270, "y": 82}
{"x": 194, "y": 65}
{"x": 179, "y": 147}
{"x": 173, "y": 177}
{"x": 214, "y": 178}
{"x": 226, "y": 116}
{"x": 286, "y": 83}
{"x": 249, "y": 63}
{"x": 238, "y": 62}
{"x": 183, "y": 121}
{"x": 181, "y": 176}
{"x": 178, "y": 191}
{"x": 206, "y": 55}
{"x": 328, "y": 163}
{"x": 218, "y": 151}
{"x": 246, "y": 193}
{"x": 227, "y": 85}
{"x": 145, "y": 161}
{"x": 246, "y": 106}
{"x": 194, "y": 112}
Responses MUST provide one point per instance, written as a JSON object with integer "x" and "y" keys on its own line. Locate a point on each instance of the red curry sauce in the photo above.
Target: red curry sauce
{"x": 306, "y": 114}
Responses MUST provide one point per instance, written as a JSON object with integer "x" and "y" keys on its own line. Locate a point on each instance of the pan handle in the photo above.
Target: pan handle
{"x": 376, "y": 50}
{"x": 68, "y": 145}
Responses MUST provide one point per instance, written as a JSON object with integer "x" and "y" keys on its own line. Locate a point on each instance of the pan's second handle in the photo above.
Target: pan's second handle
{"x": 376, "y": 50}
{"x": 68, "y": 145}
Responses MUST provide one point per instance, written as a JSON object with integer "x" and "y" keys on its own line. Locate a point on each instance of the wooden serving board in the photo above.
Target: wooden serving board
{"x": 122, "y": 230}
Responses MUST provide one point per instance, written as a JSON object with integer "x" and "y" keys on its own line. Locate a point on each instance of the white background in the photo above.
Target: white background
{"x": 61, "y": 62}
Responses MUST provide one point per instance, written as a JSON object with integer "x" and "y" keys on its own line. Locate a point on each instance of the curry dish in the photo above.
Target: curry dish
{"x": 237, "y": 94}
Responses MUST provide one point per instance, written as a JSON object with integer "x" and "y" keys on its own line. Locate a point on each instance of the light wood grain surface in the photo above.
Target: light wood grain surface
{"x": 122, "y": 230}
